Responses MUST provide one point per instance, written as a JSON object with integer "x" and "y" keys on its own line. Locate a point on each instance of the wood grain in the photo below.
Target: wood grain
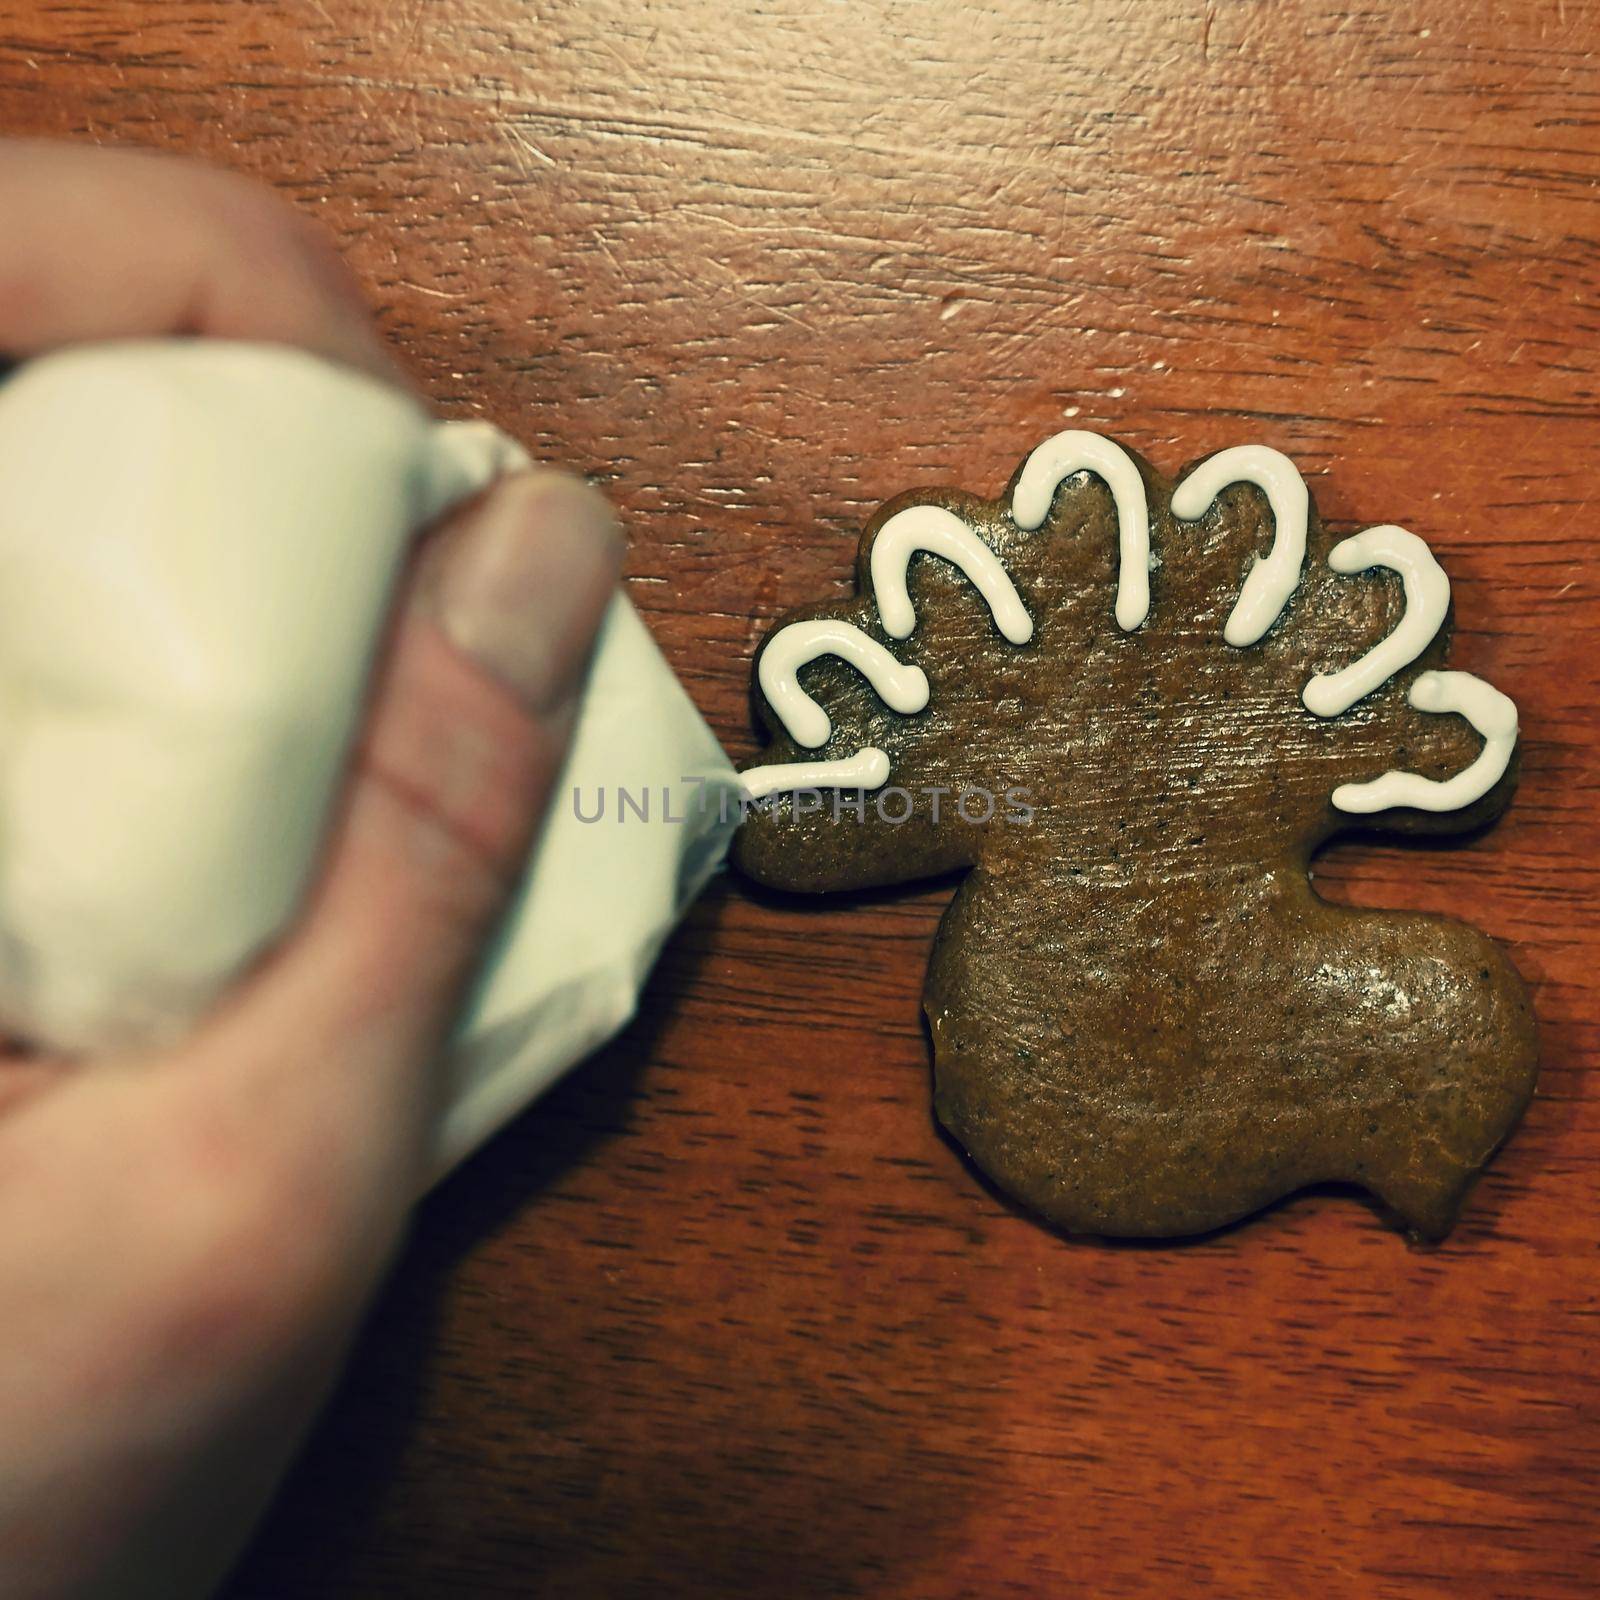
{"x": 726, "y": 1315}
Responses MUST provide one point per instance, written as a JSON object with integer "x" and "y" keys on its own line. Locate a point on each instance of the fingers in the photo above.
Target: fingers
{"x": 103, "y": 244}
{"x": 469, "y": 724}
{"x": 208, "y": 1226}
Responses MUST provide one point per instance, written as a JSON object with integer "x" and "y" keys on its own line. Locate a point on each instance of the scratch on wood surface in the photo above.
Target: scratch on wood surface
{"x": 432, "y": 293}
{"x": 522, "y": 141}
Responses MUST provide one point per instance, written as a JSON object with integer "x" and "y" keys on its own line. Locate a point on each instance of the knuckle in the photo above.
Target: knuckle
{"x": 247, "y": 207}
{"x": 248, "y": 220}
{"x": 187, "y": 190}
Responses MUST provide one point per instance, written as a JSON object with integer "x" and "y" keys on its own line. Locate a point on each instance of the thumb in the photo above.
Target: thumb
{"x": 469, "y": 721}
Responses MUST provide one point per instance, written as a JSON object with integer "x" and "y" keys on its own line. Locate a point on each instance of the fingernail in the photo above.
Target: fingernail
{"x": 520, "y": 581}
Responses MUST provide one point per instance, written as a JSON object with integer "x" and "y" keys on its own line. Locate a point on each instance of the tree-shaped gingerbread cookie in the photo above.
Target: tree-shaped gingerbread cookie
{"x": 1132, "y": 711}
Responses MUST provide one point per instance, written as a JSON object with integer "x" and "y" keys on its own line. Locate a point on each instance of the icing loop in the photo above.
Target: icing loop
{"x": 941, "y": 533}
{"x": 1491, "y": 713}
{"x": 1427, "y": 600}
{"x": 868, "y": 768}
{"x": 902, "y": 688}
{"x": 1075, "y": 451}
{"x": 1274, "y": 576}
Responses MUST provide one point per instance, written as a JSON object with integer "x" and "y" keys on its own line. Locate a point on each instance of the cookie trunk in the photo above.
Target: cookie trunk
{"x": 1163, "y": 1056}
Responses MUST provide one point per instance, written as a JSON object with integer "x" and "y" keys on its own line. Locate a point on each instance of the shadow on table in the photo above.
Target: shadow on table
{"x": 703, "y": 1442}
{"x": 333, "y": 1497}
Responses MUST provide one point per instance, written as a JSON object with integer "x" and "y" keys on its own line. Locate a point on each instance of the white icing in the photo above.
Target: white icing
{"x": 868, "y": 768}
{"x": 1274, "y": 576}
{"x": 1076, "y": 451}
{"x": 1267, "y": 588}
{"x": 941, "y": 533}
{"x": 1491, "y": 713}
{"x": 1427, "y": 600}
{"x": 901, "y": 687}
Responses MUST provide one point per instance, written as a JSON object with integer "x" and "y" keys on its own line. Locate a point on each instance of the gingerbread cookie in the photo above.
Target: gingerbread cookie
{"x": 1131, "y": 711}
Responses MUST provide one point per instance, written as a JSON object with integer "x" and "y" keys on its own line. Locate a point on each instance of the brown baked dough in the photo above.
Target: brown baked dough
{"x": 1145, "y": 1020}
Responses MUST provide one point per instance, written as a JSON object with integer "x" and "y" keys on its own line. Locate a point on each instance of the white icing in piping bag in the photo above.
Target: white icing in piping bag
{"x": 198, "y": 542}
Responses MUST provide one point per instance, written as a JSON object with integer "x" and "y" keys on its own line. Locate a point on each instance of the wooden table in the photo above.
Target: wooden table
{"x": 727, "y": 1316}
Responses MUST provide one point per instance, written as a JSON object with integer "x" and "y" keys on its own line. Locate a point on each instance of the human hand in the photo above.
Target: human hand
{"x": 187, "y": 1239}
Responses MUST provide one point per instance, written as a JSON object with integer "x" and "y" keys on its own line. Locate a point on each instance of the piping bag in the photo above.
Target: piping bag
{"x": 199, "y": 543}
